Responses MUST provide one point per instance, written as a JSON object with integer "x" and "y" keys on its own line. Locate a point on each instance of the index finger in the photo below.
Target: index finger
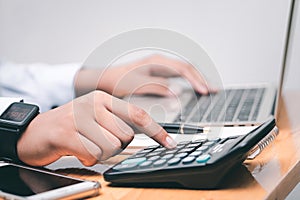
{"x": 141, "y": 120}
{"x": 180, "y": 68}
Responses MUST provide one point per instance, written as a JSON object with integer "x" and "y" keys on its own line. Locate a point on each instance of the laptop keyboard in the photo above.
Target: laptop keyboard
{"x": 233, "y": 105}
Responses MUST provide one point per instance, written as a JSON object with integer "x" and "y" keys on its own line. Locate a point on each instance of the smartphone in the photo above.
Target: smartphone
{"x": 23, "y": 182}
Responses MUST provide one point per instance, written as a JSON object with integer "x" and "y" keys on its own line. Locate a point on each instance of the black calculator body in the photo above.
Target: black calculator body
{"x": 199, "y": 164}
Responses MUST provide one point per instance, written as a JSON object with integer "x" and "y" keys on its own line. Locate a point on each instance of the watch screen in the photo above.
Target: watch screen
{"x": 16, "y": 112}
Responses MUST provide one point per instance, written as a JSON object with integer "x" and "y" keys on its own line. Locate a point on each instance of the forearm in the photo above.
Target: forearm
{"x": 87, "y": 80}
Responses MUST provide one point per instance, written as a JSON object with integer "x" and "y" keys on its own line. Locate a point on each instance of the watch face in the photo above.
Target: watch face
{"x": 17, "y": 112}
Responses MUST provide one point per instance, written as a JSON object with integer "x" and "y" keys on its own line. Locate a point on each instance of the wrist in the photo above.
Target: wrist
{"x": 87, "y": 80}
{"x": 13, "y": 122}
{"x": 46, "y": 138}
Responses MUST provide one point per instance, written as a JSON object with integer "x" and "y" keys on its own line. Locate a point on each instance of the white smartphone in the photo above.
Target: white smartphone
{"x": 22, "y": 182}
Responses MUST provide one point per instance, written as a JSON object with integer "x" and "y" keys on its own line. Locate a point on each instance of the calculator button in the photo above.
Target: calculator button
{"x": 183, "y": 142}
{"x": 188, "y": 150}
{"x": 203, "y": 158}
{"x": 159, "y": 163}
{"x": 192, "y": 145}
{"x": 125, "y": 166}
{"x": 153, "y": 154}
{"x": 198, "y": 141}
{"x": 181, "y": 155}
{"x": 146, "y": 164}
{"x": 178, "y": 147}
{"x": 153, "y": 158}
{"x": 202, "y": 148}
{"x": 174, "y": 161}
{"x": 188, "y": 160}
{"x": 172, "y": 151}
{"x": 159, "y": 149}
{"x": 196, "y": 153}
{"x": 167, "y": 156}
{"x": 134, "y": 160}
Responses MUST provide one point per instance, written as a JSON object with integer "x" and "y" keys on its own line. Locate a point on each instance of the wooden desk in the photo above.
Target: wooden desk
{"x": 272, "y": 175}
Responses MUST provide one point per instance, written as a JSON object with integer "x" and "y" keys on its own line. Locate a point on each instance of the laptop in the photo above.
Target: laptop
{"x": 235, "y": 105}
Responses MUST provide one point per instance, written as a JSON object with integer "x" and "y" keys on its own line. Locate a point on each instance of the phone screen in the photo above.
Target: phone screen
{"x": 25, "y": 182}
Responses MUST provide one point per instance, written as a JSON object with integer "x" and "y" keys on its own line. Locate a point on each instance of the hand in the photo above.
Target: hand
{"x": 147, "y": 76}
{"x": 92, "y": 127}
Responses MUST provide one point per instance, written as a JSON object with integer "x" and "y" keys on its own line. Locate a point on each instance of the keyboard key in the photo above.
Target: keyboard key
{"x": 174, "y": 161}
{"x": 243, "y": 117}
{"x": 203, "y": 158}
{"x": 188, "y": 160}
{"x": 191, "y": 104}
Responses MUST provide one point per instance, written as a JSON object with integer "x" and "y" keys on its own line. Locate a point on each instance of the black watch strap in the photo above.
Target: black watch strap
{"x": 8, "y": 146}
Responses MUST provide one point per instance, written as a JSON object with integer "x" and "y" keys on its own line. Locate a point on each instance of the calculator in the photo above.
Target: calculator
{"x": 198, "y": 164}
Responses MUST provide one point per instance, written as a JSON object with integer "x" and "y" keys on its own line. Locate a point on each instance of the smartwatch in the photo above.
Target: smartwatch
{"x": 13, "y": 122}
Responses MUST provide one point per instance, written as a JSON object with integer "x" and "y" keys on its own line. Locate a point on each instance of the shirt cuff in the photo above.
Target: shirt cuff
{"x": 39, "y": 83}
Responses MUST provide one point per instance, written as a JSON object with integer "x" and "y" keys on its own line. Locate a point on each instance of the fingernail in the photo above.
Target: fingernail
{"x": 203, "y": 90}
{"x": 171, "y": 143}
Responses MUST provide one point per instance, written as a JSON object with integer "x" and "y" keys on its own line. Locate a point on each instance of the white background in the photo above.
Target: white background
{"x": 244, "y": 38}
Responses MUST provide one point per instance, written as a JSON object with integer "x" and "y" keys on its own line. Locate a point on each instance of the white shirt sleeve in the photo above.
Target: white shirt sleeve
{"x": 42, "y": 84}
